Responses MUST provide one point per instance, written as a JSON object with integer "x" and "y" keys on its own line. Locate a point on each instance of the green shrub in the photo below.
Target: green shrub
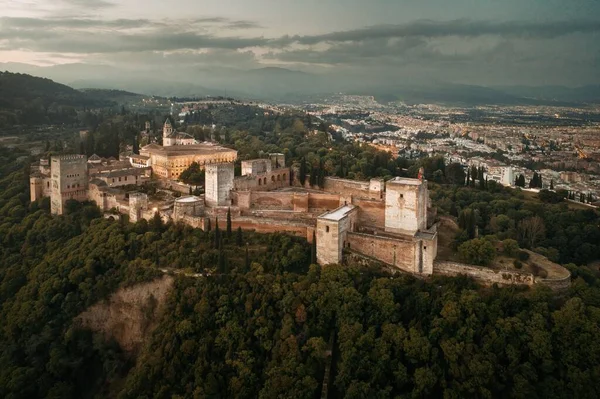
{"x": 477, "y": 251}
{"x": 518, "y": 264}
{"x": 523, "y": 255}
{"x": 510, "y": 247}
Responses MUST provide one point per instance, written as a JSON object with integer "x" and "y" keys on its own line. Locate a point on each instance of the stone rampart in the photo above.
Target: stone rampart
{"x": 398, "y": 253}
{"x": 483, "y": 275}
{"x": 558, "y": 284}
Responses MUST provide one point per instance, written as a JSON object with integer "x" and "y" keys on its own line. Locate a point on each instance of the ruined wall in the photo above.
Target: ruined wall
{"x": 256, "y": 166}
{"x": 323, "y": 202}
{"x": 483, "y": 275}
{"x": 398, "y": 253}
{"x": 371, "y": 213}
{"x": 271, "y": 180}
{"x": 558, "y": 285}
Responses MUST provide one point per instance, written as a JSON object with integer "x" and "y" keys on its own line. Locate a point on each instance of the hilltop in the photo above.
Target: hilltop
{"x": 30, "y": 100}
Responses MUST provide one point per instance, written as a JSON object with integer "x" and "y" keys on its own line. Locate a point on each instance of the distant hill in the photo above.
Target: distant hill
{"x": 111, "y": 95}
{"x": 582, "y": 94}
{"x": 30, "y": 100}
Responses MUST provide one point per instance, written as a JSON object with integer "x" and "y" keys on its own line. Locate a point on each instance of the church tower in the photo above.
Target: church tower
{"x": 168, "y": 139}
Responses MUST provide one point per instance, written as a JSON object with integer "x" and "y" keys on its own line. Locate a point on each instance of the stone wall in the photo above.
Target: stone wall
{"x": 174, "y": 186}
{"x": 323, "y": 202}
{"x": 395, "y": 252}
{"x": 558, "y": 285}
{"x": 371, "y": 212}
{"x": 345, "y": 186}
{"x": 483, "y": 275}
{"x": 271, "y": 180}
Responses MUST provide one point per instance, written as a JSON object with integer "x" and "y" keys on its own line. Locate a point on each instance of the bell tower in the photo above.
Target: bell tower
{"x": 167, "y": 133}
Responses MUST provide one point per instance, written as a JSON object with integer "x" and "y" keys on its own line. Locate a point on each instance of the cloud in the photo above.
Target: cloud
{"x": 458, "y": 27}
{"x": 93, "y": 4}
{"x": 459, "y": 48}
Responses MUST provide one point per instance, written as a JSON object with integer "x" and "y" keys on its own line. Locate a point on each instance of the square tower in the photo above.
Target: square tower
{"x": 406, "y": 206}
{"x": 69, "y": 176}
{"x": 219, "y": 183}
{"x": 331, "y": 232}
{"x": 138, "y": 203}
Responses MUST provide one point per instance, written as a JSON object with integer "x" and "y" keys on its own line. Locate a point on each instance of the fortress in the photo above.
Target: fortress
{"x": 390, "y": 222}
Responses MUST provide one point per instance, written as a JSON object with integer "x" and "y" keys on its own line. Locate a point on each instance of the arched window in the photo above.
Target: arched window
{"x": 284, "y": 177}
{"x": 265, "y": 181}
{"x": 273, "y": 178}
{"x": 278, "y": 177}
{"x": 260, "y": 182}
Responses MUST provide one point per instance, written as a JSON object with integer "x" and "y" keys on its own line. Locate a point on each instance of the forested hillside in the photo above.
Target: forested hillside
{"x": 260, "y": 324}
{"x": 29, "y": 100}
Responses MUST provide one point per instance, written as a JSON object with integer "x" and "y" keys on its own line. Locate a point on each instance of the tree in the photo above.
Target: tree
{"x": 208, "y": 226}
{"x": 193, "y": 175}
{"x": 313, "y": 249}
{"x": 229, "y": 223}
{"x": 455, "y": 174}
{"x": 467, "y": 220}
{"x": 531, "y": 231}
{"x": 520, "y": 181}
{"x": 551, "y": 184}
{"x": 477, "y": 251}
{"x": 302, "y": 172}
{"x": 217, "y": 233}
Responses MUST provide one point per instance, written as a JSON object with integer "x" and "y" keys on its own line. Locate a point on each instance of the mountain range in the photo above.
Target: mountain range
{"x": 280, "y": 84}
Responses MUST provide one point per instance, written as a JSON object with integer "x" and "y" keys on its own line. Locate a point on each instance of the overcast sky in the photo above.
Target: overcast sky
{"x": 468, "y": 41}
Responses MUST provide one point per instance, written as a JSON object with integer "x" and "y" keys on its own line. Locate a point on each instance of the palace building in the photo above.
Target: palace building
{"x": 178, "y": 152}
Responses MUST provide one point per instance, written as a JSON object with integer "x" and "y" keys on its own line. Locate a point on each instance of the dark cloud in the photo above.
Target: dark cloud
{"x": 93, "y": 4}
{"x": 457, "y": 49}
{"x": 23, "y": 23}
{"x": 459, "y": 27}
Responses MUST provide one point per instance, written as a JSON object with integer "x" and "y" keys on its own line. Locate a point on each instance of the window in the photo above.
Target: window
{"x": 327, "y": 229}
{"x": 401, "y": 195}
{"x": 425, "y": 248}
{"x": 119, "y": 179}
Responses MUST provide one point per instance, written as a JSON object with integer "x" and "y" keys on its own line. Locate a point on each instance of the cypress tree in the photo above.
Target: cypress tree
{"x": 313, "y": 177}
{"x": 217, "y": 234}
{"x": 247, "y": 261}
{"x": 302, "y": 172}
{"x": 228, "y": 222}
{"x": 208, "y": 226}
{"x": 551, "y": 184}
{"x": 221, "y": 257}
{"x": 239, "y": 240}
{"x": 468, "y": 177}
{"x": 313, "y": 249}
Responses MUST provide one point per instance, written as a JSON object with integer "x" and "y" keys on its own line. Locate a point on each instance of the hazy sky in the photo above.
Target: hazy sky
{"x": 468, "y": 41}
